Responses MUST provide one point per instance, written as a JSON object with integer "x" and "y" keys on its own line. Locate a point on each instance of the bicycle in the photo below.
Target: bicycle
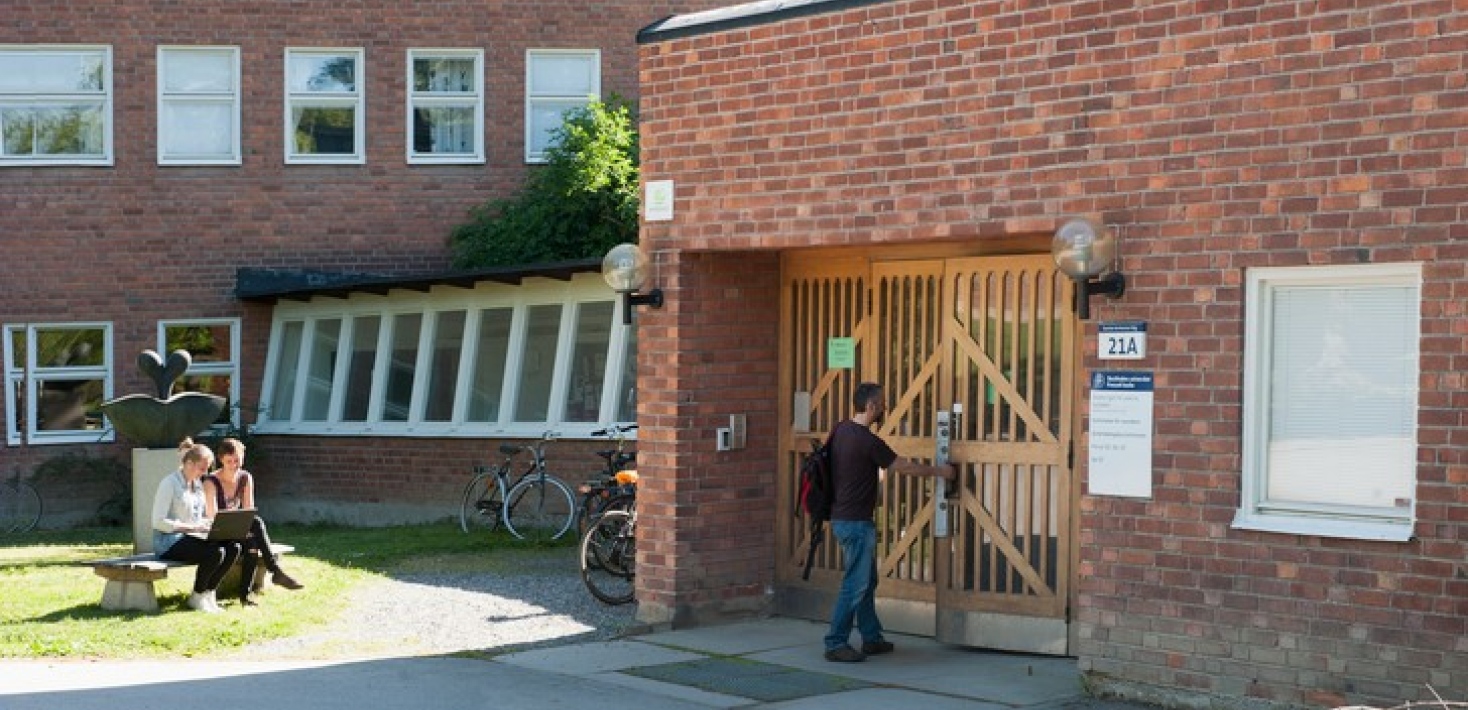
{"x": 609, "y": 557}
{"x": 612, "y": 489}
{"x": 536, "y": 506}
{"x": 20, "y": 505}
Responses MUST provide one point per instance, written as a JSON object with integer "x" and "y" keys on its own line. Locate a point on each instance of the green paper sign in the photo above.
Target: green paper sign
{"x": 840, "y": 353}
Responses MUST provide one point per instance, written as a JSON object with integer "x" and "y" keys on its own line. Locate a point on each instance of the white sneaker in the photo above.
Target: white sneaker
{"x": 199, "y": 602}
{"x": 213, "y": 603}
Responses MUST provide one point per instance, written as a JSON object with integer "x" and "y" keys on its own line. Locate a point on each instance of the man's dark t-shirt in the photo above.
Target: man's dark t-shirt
{"x": 856, "y": 454}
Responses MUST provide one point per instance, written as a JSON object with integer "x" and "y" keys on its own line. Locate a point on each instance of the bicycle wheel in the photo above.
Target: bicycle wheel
{"x": 594, "y": 503}
{"x": 482, "y": 504}
{"x": 609, "y": 558}
{"x": 20, "y": 508}
{"x": 540, "y": 508}
{"x": 623, "y": 502}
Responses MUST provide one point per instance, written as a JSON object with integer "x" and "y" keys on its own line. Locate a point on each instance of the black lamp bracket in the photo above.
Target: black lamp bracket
{"x": 1112, "y": 284}
{"x": 652, "y": 298}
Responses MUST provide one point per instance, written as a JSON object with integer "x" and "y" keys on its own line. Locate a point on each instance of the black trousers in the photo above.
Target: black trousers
{"x": 213, "y": 558}
{"x": 256, "y": 549}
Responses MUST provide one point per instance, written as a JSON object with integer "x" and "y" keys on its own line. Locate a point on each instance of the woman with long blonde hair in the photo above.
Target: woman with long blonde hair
{"x": 181, "y": 523}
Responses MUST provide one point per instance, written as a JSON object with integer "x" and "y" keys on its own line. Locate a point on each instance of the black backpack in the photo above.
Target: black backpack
{"x": 817, "y": 493}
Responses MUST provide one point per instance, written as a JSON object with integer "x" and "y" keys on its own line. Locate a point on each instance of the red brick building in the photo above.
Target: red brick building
{"x": 868, "y": 190}
{"x": 205, "y": 175}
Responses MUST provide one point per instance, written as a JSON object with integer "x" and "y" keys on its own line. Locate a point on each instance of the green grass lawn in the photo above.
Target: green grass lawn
{"x": 49, "y": 601}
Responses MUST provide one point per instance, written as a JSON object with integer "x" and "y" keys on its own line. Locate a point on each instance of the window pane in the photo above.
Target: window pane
{"x": 197, "y": 71}
{"x": 68, "y": 347}
{"x": 538, "y": 363}
{"x": 443, "y": 373}
{"x": 209, "y": 384}
{"x": 205, "y": 343}
{"x": 68, "y": 405}
{"x": 38, "y": 72}
{"x": 405, "y": 330}
{"x": 321, "y": 367}
{"x": 284, "y": 390}
{"x": 454, "y": 75}
{"x": 562, "y": 74}
{"x": 1342, "y": 406}
{"x": 489, "y": 364}
{"x": 205, "y": 128}
{"x": 320, "y": 130}
{"x": 18, "y": 126}
{"x": 443, "y": 129}
{"x": 589, "y": 361}
{"x": 359, "y": 370}
{"x": 73, "y": 129}
{"x": 545, "y": 117}
{"x": 322, "y": 73}
{"x": 17, "y": 348}
{"x": 627, "y": 397}
{"x": 19, "y": 414}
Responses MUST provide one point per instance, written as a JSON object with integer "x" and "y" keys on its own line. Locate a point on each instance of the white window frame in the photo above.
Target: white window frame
{"x": 535, "y": 96}
{"x": 18, "y": 98}
{"x": 28, "y": 377}
{"x": 355, "y": 100}
{"x": 230, "y": 368}
{"x": 229, "y": 98}
{"x": 1340, "y": 520}
{"x": 474, "y": 98}
{"x": 582, "y": 289}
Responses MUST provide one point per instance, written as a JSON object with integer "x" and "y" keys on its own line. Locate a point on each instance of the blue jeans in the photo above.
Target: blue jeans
{"x": 858, "y": 598}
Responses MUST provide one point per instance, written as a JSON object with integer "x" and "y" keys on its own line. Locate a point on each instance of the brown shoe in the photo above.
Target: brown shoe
{"x": 877, "y": 648}
{"x": 845, "y": 654}
{"x": 284, "y": 580}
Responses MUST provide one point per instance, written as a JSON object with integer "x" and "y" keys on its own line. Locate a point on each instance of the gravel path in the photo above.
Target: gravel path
{"x": 542, "y": 602}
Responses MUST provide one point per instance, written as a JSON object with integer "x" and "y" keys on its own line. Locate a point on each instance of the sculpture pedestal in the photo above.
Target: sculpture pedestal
{"x": 150, "y": 466}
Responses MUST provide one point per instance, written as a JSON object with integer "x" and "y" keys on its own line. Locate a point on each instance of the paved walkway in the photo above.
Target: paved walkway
{"x": 769, "y": 663}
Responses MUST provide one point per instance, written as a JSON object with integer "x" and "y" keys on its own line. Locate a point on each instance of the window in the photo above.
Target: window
{"x": 213, "y": 345}
{"x": 198, "y": 106}
{"x": 324, "y": 106}
{"x": 445, "y": 106}
{"x": 1330, "y": 400}
{"x": 556, "y": 81}
{"x": 55, "y": 105}
{"x": 499, "y": 359}
{"x": 56, "y": 379}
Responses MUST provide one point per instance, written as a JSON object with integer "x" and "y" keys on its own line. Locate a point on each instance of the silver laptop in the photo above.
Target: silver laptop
{"x": 231, "y": 525}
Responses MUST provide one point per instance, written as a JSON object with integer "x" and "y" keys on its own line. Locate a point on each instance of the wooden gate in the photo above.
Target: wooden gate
{"x": 990, "y": 340}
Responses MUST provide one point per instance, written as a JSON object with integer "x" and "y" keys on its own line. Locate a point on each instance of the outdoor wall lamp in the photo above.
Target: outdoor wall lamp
{"x": 625, "y": 269}
{"x": 1084, "y": 248}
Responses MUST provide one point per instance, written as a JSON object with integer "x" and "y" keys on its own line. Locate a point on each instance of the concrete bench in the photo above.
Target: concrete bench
{"x": 130, "y": 579}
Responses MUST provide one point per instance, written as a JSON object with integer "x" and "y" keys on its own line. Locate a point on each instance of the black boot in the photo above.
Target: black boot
{"x": 278, "y": 575}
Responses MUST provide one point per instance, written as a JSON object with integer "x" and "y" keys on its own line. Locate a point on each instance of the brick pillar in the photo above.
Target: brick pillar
{"x": 706, "y": 518}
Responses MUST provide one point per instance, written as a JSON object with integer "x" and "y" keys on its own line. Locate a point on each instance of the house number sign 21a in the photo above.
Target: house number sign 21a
{"x": 1126, "y": 340}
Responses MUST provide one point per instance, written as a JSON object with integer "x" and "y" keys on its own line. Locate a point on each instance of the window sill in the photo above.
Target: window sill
{"x": 1345, "y": 528}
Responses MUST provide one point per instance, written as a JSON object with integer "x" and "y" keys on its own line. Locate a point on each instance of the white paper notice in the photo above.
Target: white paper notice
{"x": 1120, "y": 452}
{"x": 657, "y": 200}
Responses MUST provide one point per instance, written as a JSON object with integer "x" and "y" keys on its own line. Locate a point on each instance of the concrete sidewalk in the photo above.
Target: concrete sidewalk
{"x": 768, "y": 663}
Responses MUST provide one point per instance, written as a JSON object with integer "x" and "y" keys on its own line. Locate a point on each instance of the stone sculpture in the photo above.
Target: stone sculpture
{"x": 162, "y": 421}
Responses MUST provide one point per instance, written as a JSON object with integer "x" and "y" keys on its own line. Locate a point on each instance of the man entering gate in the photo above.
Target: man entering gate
{"x": 858, "y": 457}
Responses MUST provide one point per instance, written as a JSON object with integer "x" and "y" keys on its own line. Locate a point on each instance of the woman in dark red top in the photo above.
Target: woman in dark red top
{"x": 234, "y": 488}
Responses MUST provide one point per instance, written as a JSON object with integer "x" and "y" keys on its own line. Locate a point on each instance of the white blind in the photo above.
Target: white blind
{"x": 1343, "y": 395}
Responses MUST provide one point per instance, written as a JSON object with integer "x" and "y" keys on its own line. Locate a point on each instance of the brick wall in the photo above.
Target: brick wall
{"x": 1216, "y": 135}
{"x": 134, "y": 243}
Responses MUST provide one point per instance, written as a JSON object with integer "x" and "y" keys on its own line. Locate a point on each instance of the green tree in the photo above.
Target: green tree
{"x": 581, "y": 203}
